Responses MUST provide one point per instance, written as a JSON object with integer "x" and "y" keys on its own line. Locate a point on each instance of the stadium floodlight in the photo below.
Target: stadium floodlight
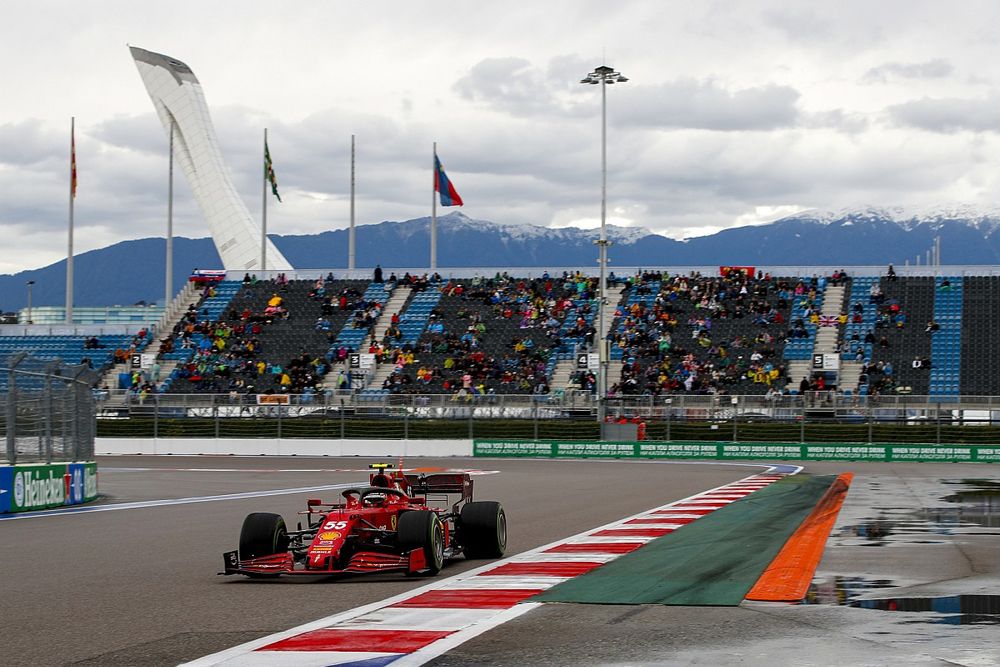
{"x": 603, "y": 75}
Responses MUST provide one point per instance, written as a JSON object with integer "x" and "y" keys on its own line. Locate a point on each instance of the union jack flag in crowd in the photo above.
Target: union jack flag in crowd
{"x": 828, "y": 320}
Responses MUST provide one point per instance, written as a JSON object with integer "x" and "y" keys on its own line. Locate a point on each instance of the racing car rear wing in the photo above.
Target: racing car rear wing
{"x": 442, "y": 482}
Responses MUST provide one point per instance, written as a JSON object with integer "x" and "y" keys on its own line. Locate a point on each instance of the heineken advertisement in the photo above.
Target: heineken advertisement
{"x": 737, "y": 450}
{"x": 38, "y": 486}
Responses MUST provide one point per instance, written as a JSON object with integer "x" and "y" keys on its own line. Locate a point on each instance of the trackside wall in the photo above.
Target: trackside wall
{"x": 282, "y": 447}
{"x": 550, "y": 449}
{"x": 738, "y": 451}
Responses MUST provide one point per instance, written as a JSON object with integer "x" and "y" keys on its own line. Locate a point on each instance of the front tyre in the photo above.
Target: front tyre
{"x": 263, "y": 534}
{"x": 483, "y": 530}
{"x": 419, "y": 529}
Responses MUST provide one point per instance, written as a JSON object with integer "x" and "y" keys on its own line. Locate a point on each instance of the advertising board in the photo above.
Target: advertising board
{"x": 30, "y": 487}
{"x": 738, "y": 451}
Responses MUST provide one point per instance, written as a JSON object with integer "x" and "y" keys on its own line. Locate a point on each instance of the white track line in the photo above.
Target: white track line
{"x": 166, "y": 502}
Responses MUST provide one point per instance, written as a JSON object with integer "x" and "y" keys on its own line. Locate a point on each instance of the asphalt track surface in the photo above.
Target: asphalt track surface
{"x": 139, "y": 586}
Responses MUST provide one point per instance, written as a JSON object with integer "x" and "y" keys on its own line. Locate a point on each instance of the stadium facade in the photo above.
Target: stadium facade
{"x": 180, "y": 104}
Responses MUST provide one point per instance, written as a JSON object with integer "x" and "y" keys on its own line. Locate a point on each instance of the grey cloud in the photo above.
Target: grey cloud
{"x": 514, "y": 86}
{"x": 799, "y": 24}
{"x": 825, "y": 30}
{"x": 836, "y": 119}
{"x": 706, "y": 105}
{"x": 948, "y": 115}
{"x": 141, "y": 132}
{"x": 510, "y": 84}
{"x": 565, "y": 71}
{"x": 931, "y": 69}
{"x": 29, "y": 143}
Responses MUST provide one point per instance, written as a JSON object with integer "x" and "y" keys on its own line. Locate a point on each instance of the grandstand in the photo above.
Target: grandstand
{"x": 94, "y": 352}
{"x": 670, "y": 332}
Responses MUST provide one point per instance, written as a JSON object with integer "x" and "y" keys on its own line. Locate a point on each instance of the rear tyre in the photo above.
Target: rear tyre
{"x": 419, "y": 529}
{"x": 483, "y": 529}
{"x": 263, "y": 534}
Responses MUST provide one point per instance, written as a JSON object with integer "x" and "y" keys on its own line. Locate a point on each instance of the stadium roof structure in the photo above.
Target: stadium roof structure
{"x": 180, "y": 103}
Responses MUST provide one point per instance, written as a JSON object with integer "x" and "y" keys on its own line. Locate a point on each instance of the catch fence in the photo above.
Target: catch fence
{"x": 46, "y": 411}
{"x": 825, "y": 417}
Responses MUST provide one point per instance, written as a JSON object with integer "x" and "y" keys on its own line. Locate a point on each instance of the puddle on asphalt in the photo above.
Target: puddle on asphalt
{"x": 974, "y": 505}
{"x": 971, "y": 507}
{"x": 949, "y": 609}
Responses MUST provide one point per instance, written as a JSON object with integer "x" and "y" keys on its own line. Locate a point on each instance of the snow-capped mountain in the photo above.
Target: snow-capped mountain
{"x": 986, "y": 219}
{"x": 131, "y": 270}
{"x": 458, "y": 221}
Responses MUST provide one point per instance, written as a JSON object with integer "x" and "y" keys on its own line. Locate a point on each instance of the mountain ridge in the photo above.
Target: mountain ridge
{"x": 859, "y": 236}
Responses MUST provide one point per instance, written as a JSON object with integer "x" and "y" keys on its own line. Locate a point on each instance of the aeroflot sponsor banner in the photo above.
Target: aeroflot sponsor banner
{"x": 30, "y": 487}
{"x": 738, "y": 450}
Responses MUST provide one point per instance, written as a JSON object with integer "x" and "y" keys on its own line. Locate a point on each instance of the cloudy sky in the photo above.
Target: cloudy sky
{"x": 736, "y": 113}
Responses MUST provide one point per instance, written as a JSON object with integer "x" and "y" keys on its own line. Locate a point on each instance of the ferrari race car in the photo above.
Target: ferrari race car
{"x": 389, "y": 525}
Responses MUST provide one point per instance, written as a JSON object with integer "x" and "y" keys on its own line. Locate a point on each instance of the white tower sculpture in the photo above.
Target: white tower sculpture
{"x": 179, "y": 101}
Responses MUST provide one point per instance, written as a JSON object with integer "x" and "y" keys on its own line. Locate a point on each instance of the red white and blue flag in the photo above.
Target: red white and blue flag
{"x": 449, "y": 195}
{"x": 828, "y": 321}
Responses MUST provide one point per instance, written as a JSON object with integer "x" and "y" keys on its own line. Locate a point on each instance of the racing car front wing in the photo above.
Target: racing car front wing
{"x": 321, "y": 563}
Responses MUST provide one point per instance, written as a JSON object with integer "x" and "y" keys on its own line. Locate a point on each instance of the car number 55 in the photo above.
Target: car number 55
{"x": 334, "y": 525}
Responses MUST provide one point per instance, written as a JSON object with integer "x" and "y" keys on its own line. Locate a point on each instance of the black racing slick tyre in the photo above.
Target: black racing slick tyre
{"x": 423, "y": 530}
{"x": 263, "y": 534}
{"x": 483, "y": 530}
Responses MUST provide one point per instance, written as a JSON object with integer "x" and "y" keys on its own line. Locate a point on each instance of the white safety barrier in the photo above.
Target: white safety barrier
{"x": 282, "y": 447}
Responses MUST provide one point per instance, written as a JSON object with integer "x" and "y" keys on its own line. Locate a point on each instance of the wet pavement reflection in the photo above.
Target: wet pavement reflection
{"x": 951, "y": 609}
{"x": 950, "y": 511}
{"x": 974, "y": 505}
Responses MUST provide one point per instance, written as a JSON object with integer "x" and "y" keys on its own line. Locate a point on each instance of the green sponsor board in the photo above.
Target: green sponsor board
{"x": 988, "y": 454}
{"x": 596, "y": 449}
{"x": 737, "y": 450}
{"x": 760, "y": 451}
{"x": 44, "y": 485}
{"x": 846, "y": 452}
{"x": 513, "y": 448}
{"x": 680, "y": 450}
{"x": 929, "y": 453}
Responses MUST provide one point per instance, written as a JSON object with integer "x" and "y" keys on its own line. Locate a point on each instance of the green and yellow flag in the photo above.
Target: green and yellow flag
{"x": 269, "y": 172}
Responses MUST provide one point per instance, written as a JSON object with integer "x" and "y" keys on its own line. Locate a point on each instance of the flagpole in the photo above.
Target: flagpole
{"x": 434, "y": 219}
{"x": 169, "y": 277}
{"x": 263, "y": 220}
{"x": 350, "y": 236}
{"x": 72, "y": 194}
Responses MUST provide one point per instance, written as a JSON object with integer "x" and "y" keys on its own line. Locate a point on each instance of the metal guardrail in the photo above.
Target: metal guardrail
{"x": 46, "y": 411}
{"x": 812, "y": 418}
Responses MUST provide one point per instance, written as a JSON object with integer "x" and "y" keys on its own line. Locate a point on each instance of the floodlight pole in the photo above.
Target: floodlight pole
{"x": 30, "y": 283}
{"x": 350, "y": 235}
{"x": 72, "y": 196}
{"x": 603, "y": 75}
{"x": 602, "y": 244}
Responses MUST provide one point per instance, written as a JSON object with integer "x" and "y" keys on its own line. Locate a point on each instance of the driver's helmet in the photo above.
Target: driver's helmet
{"x": 373, "y": 499}
{"x": 381, "y": 480}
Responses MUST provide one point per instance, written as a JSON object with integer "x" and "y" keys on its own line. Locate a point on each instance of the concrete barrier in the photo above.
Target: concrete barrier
{"x": 282, "y": 447}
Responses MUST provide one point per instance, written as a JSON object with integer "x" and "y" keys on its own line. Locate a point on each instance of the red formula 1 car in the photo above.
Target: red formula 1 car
{"x": 388, "y": 525}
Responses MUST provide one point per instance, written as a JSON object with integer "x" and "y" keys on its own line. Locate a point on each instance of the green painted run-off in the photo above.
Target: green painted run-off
{"x": 713, "y": 561}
